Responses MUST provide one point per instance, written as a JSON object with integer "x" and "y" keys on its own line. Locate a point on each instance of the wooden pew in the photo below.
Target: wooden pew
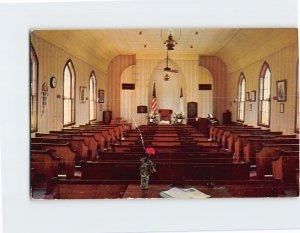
{"x": 113, "y": 132}
{"x": 255, "y": 145}
{"x": 220, "y": 132}
{"x": 214, "y": 130}
{"x": 214, "y": 156}
{"x": 242, "y": 141}
{"x": 79, "y": 189}
{"x": 266, "y": 154}
{"x": 165, "y": 171}
{"x": 89, "y": 139}
{"x": 165, "y": 149}
{"x": 61, "y": 150}
{"x": 207, "y": 157}
{"x": 98, "y": 189}
{"x": 234, "y": 135}
{"x": 78, "y": 145}
{"x": 285, "y": 165}
{"x": 227, "y": 132}
{"x": 44, "y": 166}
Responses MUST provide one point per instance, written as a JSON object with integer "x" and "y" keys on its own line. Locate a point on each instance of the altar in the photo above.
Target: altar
{"x": 165, "y": 114}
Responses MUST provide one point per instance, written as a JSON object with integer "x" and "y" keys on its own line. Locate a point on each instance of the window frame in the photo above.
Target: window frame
{"x": 32, "y": 50}
{"x": 241, "y": 78}
{"x": 93, "y": 75}
{"x": 69, "y": 65}
{"x": 262, "y": 74}
{"x": 296, "y": 130}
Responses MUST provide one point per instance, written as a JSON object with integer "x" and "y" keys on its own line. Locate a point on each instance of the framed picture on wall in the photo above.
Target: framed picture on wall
{"x": 82, "y": 92}
{"x": 247, "y": 96}
{"x": 100, "y": 96}
{"x": 281, "y": 88}
{"x": 142, "y": 109}
{"x": 281, "y": 108}
{"x": 253, "y": 96}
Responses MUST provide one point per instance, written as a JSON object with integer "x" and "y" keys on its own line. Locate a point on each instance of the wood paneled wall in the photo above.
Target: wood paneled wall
{"x": 195, "y": 75}
{"x": 283, "y": 65}
{"x": 115, "y": 68}
{"x": 218, "y": 69}
{"x": 51, "y": 63}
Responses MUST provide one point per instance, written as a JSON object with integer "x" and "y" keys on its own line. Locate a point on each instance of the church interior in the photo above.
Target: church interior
{"x": 151, "y": 113}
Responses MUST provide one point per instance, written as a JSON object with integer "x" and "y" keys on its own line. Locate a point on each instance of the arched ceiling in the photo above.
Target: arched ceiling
{"x": 237, "y": 47}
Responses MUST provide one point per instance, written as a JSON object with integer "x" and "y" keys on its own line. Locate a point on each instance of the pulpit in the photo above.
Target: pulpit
{"x": 165, "y": 114}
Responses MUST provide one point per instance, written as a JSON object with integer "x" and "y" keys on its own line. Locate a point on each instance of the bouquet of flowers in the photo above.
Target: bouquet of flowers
{"x": 147, "y": 168}
{"x": 179, "y": 115}
{"x": 151, "y": 115}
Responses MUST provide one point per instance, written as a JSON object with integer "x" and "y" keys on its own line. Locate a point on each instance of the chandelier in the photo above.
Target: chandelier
{"x": 170, "y": 42}
{"x": 172, "y": 39}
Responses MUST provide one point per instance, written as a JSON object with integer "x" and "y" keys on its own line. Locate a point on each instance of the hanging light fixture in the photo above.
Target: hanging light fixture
{"x": 171, "y": 40}
{"x": 167, "y": 77}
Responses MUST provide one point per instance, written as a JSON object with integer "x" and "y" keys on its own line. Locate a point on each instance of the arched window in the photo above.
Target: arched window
{"x": 241, "y": 98}
{"x": 93, "y": 98}
{"x": 297, "y": 100}
{"x": 33, "y": 90}
{"x": 264, "y": 103}
{"x": 69, "y": 94}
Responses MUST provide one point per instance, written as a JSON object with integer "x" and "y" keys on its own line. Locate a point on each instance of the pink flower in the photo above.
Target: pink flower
{"x": 150, "y": 151}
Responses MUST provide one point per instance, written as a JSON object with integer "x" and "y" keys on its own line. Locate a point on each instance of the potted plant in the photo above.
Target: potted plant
{"x": 179, "y": 117}
{"x": 151, "y": 117}
{"x": 147, "y": 168}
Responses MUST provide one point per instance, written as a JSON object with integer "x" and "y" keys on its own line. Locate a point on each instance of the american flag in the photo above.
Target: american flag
{"x": 154, "y": 103}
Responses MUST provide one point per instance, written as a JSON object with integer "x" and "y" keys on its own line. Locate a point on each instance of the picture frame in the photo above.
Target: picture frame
{"x": 281, "y": 108}
{"x": 142, "y": 109}
{"x": 247, "y": 96}
{"x": 253, "y": 96}
{"x": 101, "y": 96}
{"x": 281, "y": 89}
{"x": 82, "y": 94}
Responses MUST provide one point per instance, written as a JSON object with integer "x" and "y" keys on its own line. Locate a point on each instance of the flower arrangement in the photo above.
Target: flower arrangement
{"x": 151, "y": 115}
{"x": 147, "y": 168}
{"x": 179, "y": 115}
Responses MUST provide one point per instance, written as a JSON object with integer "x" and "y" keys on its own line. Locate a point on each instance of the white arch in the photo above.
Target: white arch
{"x": 167, "y": 92}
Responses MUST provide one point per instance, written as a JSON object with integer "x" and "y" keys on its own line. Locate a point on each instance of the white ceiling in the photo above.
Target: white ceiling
{"x": 237, "y": 47}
